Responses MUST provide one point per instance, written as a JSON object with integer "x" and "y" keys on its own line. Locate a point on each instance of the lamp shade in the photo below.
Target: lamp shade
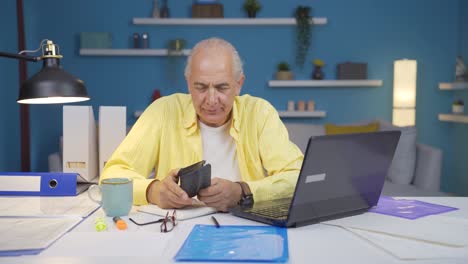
{"x": 404, "y": 92}
{"x": 52, "y": 85}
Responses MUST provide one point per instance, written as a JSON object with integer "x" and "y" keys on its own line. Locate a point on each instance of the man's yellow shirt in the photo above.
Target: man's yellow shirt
{"x": 166, "y": 136}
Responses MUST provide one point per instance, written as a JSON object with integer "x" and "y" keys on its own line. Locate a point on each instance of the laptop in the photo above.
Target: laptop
{"x": 341, "y": 175}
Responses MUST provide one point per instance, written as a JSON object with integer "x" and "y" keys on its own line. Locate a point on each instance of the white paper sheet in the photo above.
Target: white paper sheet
{"x": 182, "y": 214}
{"x": 409, "y": 249}
{"x": 431, "y": 229}
{"x": 119, "y": 243}
{"x": 41, "y": 206}
{"x": 33, "y": 233}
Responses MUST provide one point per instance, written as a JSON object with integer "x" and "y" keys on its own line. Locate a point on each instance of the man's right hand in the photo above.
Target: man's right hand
{"x": 167, "y": 193}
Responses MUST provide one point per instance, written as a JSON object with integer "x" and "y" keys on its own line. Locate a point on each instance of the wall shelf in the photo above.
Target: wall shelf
{"x": 224, "y": 21}
{"x": 302, "y": 114}
{"x": 325, "y": 83}
{"x": 131, "y": 52}
{"x": 453, "y": 86}
{"x": 453, "y": 118}
{"x": 285, "y": 114}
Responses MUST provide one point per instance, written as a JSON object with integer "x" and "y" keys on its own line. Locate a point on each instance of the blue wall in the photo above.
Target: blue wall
{"x": 376, "y": 32}
{"x": 9, "y": 109}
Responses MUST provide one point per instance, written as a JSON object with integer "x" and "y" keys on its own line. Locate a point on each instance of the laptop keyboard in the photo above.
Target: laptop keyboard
{"x": 278, "y": 211}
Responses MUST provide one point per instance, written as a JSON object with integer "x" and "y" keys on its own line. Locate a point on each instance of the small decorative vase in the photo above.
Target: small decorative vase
{"x": 457, "y": 109}
{"x": 318, "y": 74}
{"x": 251, "y": 13}
{"x": 284, "y": 75}
{"x": 156, "y": 11}
{"x": 165, "y": 10}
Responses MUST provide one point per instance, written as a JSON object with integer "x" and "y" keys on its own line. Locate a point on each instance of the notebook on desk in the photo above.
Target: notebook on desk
{"x": 341, "y": 175}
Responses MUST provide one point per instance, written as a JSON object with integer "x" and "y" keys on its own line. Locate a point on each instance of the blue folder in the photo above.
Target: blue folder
{"x": 235, "y": 244}
{"x": 40, "y": 184}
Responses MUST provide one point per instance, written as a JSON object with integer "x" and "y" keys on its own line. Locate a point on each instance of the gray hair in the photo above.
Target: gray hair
{"x": 217, "y": 44}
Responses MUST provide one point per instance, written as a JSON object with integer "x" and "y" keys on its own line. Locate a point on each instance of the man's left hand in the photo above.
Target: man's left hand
{"x": 221, "y": 194}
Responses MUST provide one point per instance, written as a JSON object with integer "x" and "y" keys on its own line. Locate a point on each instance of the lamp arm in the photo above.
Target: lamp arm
{"x": 19, "y": 56}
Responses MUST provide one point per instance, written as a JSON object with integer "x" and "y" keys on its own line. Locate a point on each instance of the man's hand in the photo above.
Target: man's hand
{"x": 221, "y": 195}
{"x": 167, "y": 194}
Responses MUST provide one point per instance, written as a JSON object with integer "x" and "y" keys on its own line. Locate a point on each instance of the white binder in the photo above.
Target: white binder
{"x": 112, "y": 130}
{"x": 80, "y": 142}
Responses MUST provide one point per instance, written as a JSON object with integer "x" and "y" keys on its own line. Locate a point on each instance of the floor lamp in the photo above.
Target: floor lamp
{"x": 404, "y": 92}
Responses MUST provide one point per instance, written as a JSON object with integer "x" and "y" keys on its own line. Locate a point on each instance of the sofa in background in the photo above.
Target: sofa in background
{"x": 416, "y": 168}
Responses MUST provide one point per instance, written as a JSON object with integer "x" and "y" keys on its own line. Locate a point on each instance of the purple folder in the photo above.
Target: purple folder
{"x": 409, "y": 209}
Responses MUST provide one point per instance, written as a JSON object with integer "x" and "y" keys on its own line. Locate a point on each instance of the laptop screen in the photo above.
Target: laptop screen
{"x": 342, "y": 173}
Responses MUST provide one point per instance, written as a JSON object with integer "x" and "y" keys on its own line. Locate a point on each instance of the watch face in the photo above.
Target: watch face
{"x": 246, "y": 201}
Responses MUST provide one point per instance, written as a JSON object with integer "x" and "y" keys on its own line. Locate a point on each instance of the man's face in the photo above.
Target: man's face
{"x": 213, "y": 86}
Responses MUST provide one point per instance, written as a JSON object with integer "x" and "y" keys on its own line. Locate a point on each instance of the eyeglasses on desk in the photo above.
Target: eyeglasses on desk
{"x": 167, "y": 223}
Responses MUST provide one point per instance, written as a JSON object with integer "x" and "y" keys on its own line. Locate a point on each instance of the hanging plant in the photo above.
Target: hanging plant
{"x": 303, "y": 33}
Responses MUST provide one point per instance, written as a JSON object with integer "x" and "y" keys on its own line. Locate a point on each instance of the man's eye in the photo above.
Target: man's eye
{"x": 201, "y": 88}
{"x": 223, "y": 88}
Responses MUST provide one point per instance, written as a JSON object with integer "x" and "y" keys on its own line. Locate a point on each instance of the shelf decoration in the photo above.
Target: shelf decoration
{"x": 283, "y": 71}
{"x": 252, "y": 7}
{"x": 318, "y": 74}
{"x": 461, "y": 73}
{"x": 457, "y": 107}
{"x": 303, "y": 34}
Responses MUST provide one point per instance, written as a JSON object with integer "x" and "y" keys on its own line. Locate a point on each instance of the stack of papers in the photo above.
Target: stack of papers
{"x": 410, "y": 229}
{"x": 30, "y": 224}
{"x": 25, "y": 236}
{"x": 47, "y": 206}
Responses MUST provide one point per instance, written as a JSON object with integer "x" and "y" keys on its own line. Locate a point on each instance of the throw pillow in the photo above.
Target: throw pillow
{"x": 331, "y": 129}
{"x": 404, "y": 161}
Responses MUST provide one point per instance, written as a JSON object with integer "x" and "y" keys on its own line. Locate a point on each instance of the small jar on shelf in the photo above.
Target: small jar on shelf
{"x": 458, "y": 107}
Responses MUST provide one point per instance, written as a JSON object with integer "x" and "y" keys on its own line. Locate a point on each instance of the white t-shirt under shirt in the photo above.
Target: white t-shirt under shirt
{"x": 219, "y": 150}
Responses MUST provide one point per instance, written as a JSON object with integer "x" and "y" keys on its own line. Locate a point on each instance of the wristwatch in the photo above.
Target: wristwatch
{"x": 247, "y": 197}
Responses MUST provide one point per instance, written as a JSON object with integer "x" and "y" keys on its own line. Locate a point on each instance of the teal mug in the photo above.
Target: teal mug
{"x": 116, "y": 196}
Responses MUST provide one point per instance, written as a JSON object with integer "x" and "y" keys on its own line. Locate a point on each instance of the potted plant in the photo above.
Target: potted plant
{"x": 176, "y": 46}
{"x": 252, "y": 7}
{"x": 284, "y": 71}
{"x": 318, "y": 74}
{"x": 303, "y": 33}
{"x": 457, "y": 107}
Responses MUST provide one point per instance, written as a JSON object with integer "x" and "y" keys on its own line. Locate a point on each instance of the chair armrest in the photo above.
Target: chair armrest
{"x": 428, "y": 167}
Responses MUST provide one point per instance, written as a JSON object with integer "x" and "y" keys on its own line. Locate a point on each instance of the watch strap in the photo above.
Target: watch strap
{"x": 246, "y": 199}
{"x": 245, "y": 188}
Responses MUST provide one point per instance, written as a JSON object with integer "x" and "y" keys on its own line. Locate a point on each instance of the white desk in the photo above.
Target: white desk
{"x": 317, "y": 243}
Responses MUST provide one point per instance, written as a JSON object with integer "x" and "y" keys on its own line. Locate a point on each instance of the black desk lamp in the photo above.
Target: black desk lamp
{"x": 51, "y": 85}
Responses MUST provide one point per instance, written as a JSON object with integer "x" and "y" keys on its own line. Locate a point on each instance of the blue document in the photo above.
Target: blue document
{"x": 235, "y": 243}
{"x": 40, "y": 184}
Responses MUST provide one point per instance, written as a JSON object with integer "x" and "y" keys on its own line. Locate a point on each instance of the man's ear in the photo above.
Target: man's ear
{"x": 240, "y": 83}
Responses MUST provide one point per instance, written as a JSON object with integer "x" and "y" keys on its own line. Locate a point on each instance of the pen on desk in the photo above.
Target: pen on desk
{"x": 120, "y": 223}
{"x": 215, "y": 221}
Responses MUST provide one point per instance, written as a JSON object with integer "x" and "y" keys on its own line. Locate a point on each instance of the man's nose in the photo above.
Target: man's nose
{"x": 212, "y": 96}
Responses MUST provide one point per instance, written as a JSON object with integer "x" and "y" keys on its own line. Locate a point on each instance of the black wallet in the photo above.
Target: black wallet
{"x": 195, "y": 177}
